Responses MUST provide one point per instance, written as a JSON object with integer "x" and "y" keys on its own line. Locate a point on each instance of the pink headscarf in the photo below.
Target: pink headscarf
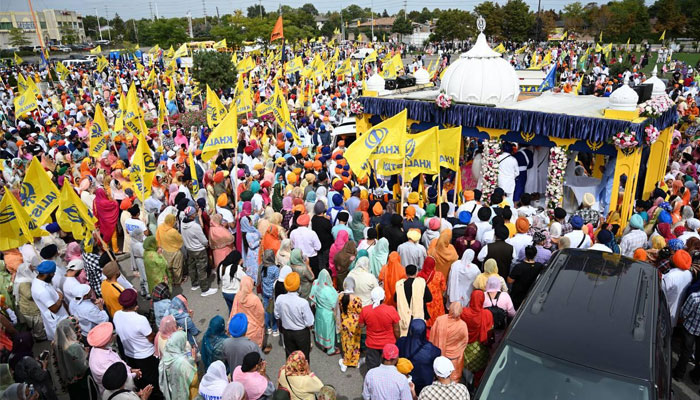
{"x": 73, "y": 252}
{"x": 172, "y": 189}
{"x": 338, "y": 245}
{"x": 167, "y": 327}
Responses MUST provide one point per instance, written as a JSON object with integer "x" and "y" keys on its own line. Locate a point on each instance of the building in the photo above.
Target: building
{"x": 54, "y": 25}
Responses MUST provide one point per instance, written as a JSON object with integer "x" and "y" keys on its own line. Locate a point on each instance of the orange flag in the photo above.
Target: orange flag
{"x": 277, "y": 31}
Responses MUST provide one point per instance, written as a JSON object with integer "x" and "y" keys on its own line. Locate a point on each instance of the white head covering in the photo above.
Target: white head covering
{"x": 214, "y": 382}
{"x": 286, "y": 270}
{"x": 458, "y": 286}
{"x": 377, "y": 296}
{"x": 443, "y": 367}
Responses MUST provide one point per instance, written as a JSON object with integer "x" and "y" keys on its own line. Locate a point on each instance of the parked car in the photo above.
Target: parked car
{"x": 595, "y": 326}
{"x": 26, "y": 48}
{"x": 345, "y": 131}
{"x": 102, "y": 42}
{"x": 36, "y": 49}
{"x": 360, "y": 54}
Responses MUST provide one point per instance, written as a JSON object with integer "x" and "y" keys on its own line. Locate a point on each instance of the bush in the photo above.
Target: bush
{"x": 618, "y": 68}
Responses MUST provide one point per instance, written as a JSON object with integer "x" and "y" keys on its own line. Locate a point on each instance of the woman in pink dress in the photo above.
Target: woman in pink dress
{"x": 220, "y": 239}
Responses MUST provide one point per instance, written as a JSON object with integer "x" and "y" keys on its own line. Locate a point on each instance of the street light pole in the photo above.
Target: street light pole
{"x": 99, "y": 28}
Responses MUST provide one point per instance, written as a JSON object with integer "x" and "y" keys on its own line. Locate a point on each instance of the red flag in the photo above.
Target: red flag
{"x": 277, "y": 31}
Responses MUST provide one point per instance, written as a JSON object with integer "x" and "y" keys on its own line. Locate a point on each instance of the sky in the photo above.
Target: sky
{"x": 179, "y": 8}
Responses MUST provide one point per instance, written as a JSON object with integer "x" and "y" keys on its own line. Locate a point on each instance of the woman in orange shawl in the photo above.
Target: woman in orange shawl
{"x": 437, "y": 284}
{"x": 270, "y": 241}
{"x": 443, "y": 252}
{"x": 391, "y": 273}
{"x": 364, "y": 208}
{"x": 249, "y": 303}
{"x": 676, "y": 213}
{"x": 220, "y": 239}
{"x": 450, "y": 334}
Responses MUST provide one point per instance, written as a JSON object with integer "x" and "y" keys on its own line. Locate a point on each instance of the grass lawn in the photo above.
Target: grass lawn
{"x": 689, "y": 58}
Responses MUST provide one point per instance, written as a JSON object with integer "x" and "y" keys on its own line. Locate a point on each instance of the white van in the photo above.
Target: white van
{"x": 76, "y": 62}
{"x": 360, "y": 54}
{"x": 345, "y": 131}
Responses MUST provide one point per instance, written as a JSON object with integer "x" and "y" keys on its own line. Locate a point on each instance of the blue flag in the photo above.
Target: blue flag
{"x": 548, "y": 82}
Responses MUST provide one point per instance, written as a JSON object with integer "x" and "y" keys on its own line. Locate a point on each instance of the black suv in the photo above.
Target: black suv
{"x": 595, "y": 326}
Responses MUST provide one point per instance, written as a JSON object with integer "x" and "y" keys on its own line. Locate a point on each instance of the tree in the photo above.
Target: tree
{"x": 68, "y": 35}
{"x": 402, "y": 25}
{"x": 669, "y": 17}
{"x": 548, "y": 21}
{"x": 117, "y": 25}
{"x": 17, "y": 37}
{"x": 385, "y": 14}
{"x": 353, "y": 12}
{"x": 629, "y": 19}
{"x": 214, "y": 69}
{"x": 164, "y": 32}
{"x": 452, "y": 25}
{"x": 493, "y": 15}
{"x": 256, "y": 11}
{"x": 694, "y": 25}
{"x": 309, "y": 8}
{"x": 518, "y": 21}
{"x": 331, "y": 24}
{"x": 573, "y": 17}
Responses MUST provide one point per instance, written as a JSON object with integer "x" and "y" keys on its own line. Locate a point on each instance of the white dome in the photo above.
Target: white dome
{"x": 658, "y": 86}
{"x": 375, "y": 83}
{"x": 422, "y": 76}
{"x": 623, "y": 98}
{"x": 481, "y": 75}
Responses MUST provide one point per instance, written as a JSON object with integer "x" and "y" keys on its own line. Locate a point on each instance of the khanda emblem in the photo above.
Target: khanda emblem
{"x": 7, "y": 215}
{"x": 593, "y": 145}
{"x": 527, "y": 136}
{"x": 149, "y": 163}
{"x": 96, "y": 130}
{"x": 73, "y": 215}
{"x": 410, "y": 148}
{"x": 21, "y": 101}
{"x": 27, "y": 194}
{"x": 375, "y": 137}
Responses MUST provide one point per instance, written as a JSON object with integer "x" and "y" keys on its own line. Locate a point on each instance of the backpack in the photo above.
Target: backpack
{"x": 499, "y": 314}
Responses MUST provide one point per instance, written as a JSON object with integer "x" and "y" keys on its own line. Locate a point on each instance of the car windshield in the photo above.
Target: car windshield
{"x": 519, "y": 374}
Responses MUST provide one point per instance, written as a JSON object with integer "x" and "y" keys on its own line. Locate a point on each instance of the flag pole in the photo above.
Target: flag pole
{"x": 439, "y": 199}
{"x": 403, "y": 175}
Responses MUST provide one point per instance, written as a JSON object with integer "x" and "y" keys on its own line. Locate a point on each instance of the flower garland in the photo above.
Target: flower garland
{"x": 651, "y": 134}
{"x": 555, "y": 178}
{"x": 489, "y": 167}
{"x": 443, "y": 101}
{"x": 356, "y": 108}
{"x": 626, "y": 139}
{"x": 655, "y": 106}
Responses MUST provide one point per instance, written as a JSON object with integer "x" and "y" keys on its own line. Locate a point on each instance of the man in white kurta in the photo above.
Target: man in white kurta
{"x": 508, "y": 170}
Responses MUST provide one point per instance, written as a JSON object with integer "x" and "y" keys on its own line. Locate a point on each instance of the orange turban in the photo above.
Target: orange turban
{"x": 222, "y": 200}
{"x": 522, "y": 225}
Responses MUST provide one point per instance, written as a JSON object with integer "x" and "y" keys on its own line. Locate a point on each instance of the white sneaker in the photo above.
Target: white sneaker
{"x": 275, "y": 333}
{"x": 362, "y": 361}
{"x": 210, "y": 292}
{"x": 343, "y": 367}
{"x": 193, "y": 288}
{"x": 269, "y": 331}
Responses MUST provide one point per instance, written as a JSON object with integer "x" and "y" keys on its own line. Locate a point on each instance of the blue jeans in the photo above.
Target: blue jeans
{"x": 270, "y": 321}
{"x": 229, "y": 300}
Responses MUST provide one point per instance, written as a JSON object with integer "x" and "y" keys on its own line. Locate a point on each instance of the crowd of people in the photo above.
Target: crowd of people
{"x": 418, "y": 294}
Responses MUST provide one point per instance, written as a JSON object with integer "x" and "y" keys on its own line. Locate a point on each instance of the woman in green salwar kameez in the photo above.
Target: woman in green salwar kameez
{"x": 155, "y": 264}
{"x": 325, "y": 298}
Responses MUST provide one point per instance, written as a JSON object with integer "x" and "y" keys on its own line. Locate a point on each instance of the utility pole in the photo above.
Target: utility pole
{"x": 109, "y": 32}
{"x": 342, "y": 25}
{"x": 539, "y": 22}
{"x": 136, "y": 30}
{"x": 189, "y": 21}
{"x": 98, "y": 23}
{"x": 157, "y": 13}
{"x": 150, "y": 10}
{"x": 260, "y": 8}
{"x": 204, "y": 8}
{"x": 372, "y": 8}
{"x": 218, "y": 17}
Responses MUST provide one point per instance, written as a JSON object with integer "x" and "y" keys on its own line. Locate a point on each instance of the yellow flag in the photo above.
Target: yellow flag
{"x": 359, "y": 152}
{"x": 181, "y": 51}
{"x": 39, "y": 193}
{"x": 171, "y": 90}
{"x": 151, "y": 79}
{"x": 244, "y": 103}
{"x": 18, "y": 59}
{"x": 221, "y": 44}
{"x": 16, "y": 228}
{"x": 99, "y": 128}
{"x": 186, "y": 77}
{"x": 132, "y": 117}
{"x": 21, "y": 83}
{"x": 421, "y": 155}
{"x": 224, "y": 136}
{"x": 142, "y": 170}
{"x": 565, "y": 35}
{"x": 388, "y": 70}
{"x": 32, "y": 86}
{"x": 450, "y": 144}
{"x": 170, "y": 69}
{"x": 62, "y": 70}
{"x": 140, "y": 67}
{"x": 101, "y": 63}
{"x": 25, "y": 103}
{"x": 500, "y": 48}
{"x": 215, "y": 110}
{"x": 663, "y": 36}
{"x": 96, "y": 50}
{"x": 169, "y": 53}
{"x": 607, "y": 49}
{"x": 600, "y": 38}
{"x": 578, "y": 86}
{"x": 521, "y": 50}
{"x": 72, "y": 214}
{"x": 154, "y": 49}
{"x": 119, "y": 114}
{"x": 370, "y": 58}
{"x": 345, "y": 69}
{"x": 598, "y": 48}
{"x": 397, "y": 61}
{"x": 193, "y": 172}
{"x": 279, "y": 109}
{"x": 246, "y": 65}
{"x": 162, "y": 112}
{"x": 295, "y": 65}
